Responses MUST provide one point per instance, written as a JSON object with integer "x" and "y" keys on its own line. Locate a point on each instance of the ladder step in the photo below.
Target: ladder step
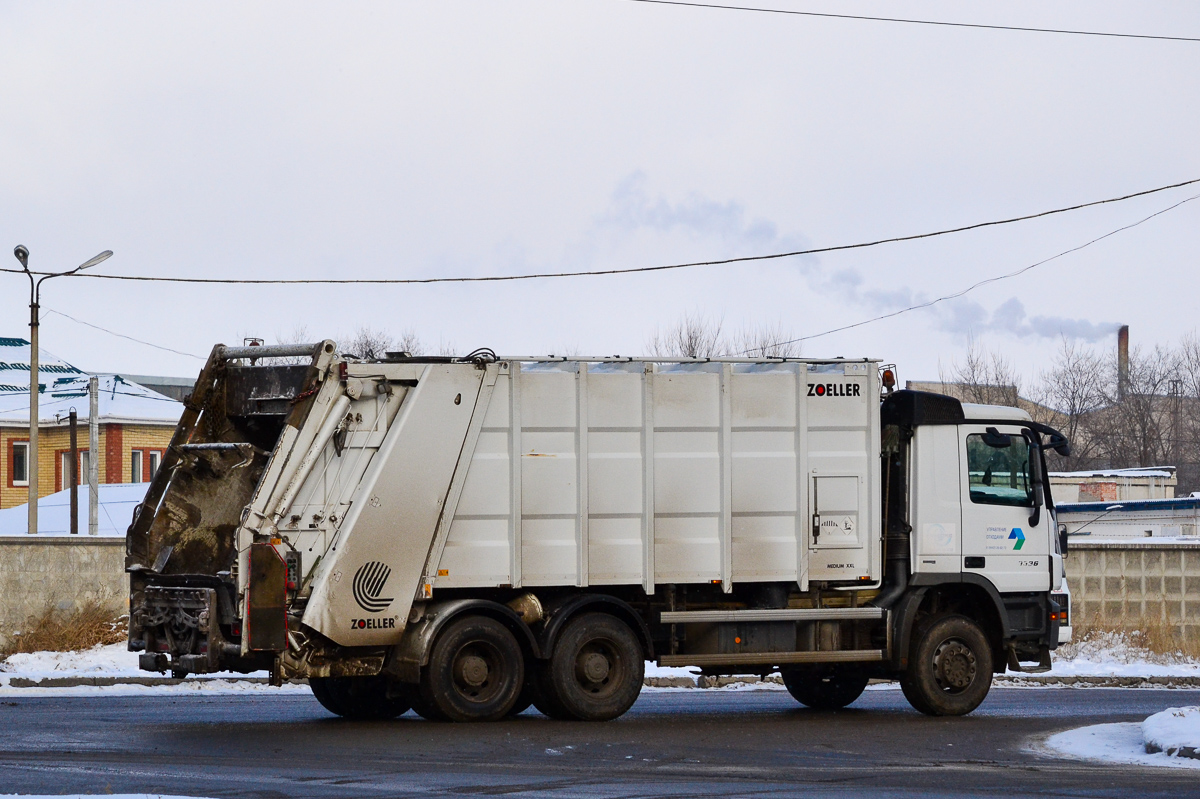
{"x": 781, "y": 614}
{"x": 773, "y": 658}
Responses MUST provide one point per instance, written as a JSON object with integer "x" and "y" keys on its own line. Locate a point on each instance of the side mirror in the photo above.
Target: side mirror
{"x": 1062, "y": 540}
{"x": 995, "y": 439}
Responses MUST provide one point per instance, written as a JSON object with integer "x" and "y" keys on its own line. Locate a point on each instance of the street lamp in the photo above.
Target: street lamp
{"x": 35, "y": 293}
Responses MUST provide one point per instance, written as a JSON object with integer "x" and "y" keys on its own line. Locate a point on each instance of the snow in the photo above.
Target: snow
{"x": 115, "y": 660}
{"x": 1112, "y": 743}
{"x": 1173, "y": 732}
{"x": 655, "y": 670}
{"x": 117, "y": 501}
{"x": 66, "y": 386}
{"x": 1118, "y": 654}
{"x": 92, "y": 796}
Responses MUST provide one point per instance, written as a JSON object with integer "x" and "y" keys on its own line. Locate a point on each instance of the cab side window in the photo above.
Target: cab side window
{"x": 998, "y": 469}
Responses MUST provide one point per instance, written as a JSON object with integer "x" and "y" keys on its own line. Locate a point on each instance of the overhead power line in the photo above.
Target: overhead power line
{"x": 907, "y": 21}
{"x": 597, "y": 272}
{"x": 996, "y": 279}
{"x": 121, "y": 335}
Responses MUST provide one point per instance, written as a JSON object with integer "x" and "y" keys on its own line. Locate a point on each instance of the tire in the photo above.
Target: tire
{"x": 361, "y": 697}
{"x": 526, "y": 697}
{"x": 949, "y": 667}
{"x": 475, "y": 672}
{"x": 595, "y": 671}
{"x": 824, "y": 688}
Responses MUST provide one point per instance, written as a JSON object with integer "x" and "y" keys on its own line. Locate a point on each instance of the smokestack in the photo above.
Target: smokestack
{"x": 1122, "y": 361}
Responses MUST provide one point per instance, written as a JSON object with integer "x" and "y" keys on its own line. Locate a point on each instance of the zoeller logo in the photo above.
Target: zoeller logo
{"x": 833, "y": 390}
{"x": 1019, "y": 535}
{"x": 368, "y": 584}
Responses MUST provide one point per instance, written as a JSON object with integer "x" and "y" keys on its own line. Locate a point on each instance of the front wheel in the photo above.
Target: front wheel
{"x": 949, "y": 668}
{"x": 824, "y": 688}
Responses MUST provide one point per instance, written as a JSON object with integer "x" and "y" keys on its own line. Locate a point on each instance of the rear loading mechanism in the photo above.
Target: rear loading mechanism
{"x": 469, "y": 537}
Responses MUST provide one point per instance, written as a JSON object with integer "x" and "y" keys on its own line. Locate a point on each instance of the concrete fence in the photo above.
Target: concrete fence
{"x": 1135, "y": 583}
{"x": 64, "y": 573}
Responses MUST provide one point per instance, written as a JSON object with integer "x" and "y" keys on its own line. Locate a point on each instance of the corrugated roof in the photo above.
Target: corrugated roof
{"x": 1145, "y": 471}
{"x": 64, "y": 386}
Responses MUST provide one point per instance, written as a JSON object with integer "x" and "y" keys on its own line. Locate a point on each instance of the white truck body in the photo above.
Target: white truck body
{"x": 584, "y": 473}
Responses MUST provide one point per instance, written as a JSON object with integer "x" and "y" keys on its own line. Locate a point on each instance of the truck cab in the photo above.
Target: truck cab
{"x": 984, "y": 540}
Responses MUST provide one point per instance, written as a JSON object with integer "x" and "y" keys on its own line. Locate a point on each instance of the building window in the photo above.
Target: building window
{"x": 135, "y": 466}
{"x": 65, "y": 470}
{"x": 20, "y": 463}
{"x": 63, "y": 476}
{"x": 155, "y": 459}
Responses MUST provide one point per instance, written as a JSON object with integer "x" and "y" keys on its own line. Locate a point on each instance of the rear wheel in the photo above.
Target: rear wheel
{"x": 475, "y": 672}
{"x": 361, "y": 697}
{"x": 824, "y": 688}
{"x": 595, "y": 671}
{"x": 949, "y": 668}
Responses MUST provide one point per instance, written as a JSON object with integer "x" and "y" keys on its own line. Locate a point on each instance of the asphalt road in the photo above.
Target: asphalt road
{"x": 698, "y": 743}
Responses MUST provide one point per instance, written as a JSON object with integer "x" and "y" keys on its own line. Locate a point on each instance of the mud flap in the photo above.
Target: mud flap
{"x": 266, "y": 600}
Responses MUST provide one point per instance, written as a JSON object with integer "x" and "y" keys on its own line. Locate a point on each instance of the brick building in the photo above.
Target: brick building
{"x": 135, "y": 425}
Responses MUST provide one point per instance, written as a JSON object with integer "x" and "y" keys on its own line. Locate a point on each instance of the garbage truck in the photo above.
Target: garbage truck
{"x": 469, "y": 536}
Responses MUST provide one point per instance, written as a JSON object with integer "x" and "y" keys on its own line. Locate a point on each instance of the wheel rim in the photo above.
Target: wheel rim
{"x": 954, "y": 666}
{"x": 476, "y": 671}
{"x": 599, "y": 667}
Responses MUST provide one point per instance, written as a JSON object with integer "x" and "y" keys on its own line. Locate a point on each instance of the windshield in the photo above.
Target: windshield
{"x": 998, "y": 470}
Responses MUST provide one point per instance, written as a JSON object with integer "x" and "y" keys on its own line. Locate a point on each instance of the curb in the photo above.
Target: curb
{"x": 698, "y": 682}
{"x": 76, "y": 682}
{"x": 1021, "y": 680}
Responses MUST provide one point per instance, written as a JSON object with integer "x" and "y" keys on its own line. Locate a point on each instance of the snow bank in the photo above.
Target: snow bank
{"x": 114, "y": 660}
{"x": 1112, "y": 743}
{"x": 1174, "y": 732}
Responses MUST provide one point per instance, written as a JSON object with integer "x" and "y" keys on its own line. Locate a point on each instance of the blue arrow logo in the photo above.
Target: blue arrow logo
{"x": 1019, "y": 536}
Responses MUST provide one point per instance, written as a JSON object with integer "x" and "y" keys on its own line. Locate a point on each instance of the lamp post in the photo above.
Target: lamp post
{"x": 35, "y": 293}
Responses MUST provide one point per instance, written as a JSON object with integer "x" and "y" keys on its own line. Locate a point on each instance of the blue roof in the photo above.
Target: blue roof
{"x": 1178, "y": 503}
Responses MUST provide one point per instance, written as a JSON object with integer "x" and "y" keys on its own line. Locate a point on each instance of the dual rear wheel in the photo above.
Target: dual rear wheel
{"x": 477, "y": 671}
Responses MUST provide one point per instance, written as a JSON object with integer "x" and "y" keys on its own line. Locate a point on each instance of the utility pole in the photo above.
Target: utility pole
{"x": 74, "y": 472}
{"x": 94, "y": 458}
{"x": 35, "y": 292}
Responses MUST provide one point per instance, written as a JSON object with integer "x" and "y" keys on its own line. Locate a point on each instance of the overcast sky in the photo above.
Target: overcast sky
{"x": 463, "y": 137}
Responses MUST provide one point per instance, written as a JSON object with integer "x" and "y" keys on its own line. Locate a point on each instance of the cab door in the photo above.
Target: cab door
{"x": 1005, "y": 528}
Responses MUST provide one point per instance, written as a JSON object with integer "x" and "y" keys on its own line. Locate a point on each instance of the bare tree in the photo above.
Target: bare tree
{"x": 369, "y": 344}
{"x": 1134, "y": 427}
{"x": 1065, "y": 396}
{"x": 765, "y": 341}
{"x": 299, "y": 335}
{"x": 693, "y": 336}
{"x": 697, "y": 336}
{"x": 410, "y": 342}
{"x": 984, "y": 376}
